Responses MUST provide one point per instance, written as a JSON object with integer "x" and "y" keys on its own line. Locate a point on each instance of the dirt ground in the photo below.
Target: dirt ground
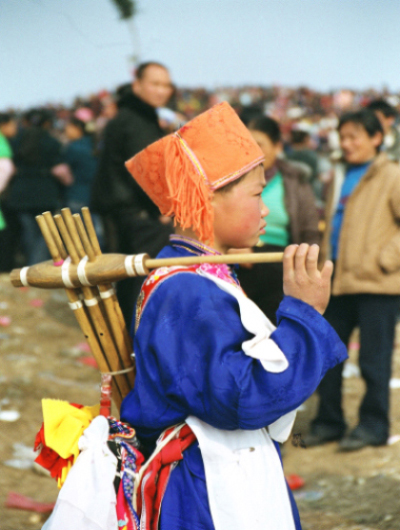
{"x": 40, "y": 356}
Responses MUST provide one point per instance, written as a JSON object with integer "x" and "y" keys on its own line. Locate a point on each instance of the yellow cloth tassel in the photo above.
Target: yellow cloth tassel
{"x": 64, "y": 425}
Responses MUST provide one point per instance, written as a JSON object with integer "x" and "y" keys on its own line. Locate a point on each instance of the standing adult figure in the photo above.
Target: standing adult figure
{"x": 39, "y": 182}
{"x": 292, "y": 217}
{"x": 135, "y": 220}
{"x": 363, "y": 239}
{"x": 387, "y": 115}
{"x": 6, "y": 171}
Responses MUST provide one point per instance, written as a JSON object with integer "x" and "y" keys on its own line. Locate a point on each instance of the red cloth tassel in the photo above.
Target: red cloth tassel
{"x": 156, "y": 477}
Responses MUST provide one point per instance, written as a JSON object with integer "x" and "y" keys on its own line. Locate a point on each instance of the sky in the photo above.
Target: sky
{"x": 54, "y": 50}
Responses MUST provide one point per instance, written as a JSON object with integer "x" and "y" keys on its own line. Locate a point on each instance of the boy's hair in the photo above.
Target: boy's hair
{"x": 366, "y": 118}
{"x": 383, "y": 106}
{"x": 267, "y": 126}
{"x": 250, "y": 113}
{"x": 142, "y": 67}
{"x": 5, "y": 117}
{"x": 298, "y": 136}
{"x": 76, "y": 122}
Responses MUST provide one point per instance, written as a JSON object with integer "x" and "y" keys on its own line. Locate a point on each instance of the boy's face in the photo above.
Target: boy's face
{"x": 239, "y": 213}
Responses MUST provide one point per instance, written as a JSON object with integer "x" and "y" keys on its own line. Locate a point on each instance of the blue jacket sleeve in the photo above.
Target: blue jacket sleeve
{"x": 189, "y": 354}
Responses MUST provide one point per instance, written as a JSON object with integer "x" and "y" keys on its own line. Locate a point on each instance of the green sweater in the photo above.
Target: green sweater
{"x": 273, "y": 196}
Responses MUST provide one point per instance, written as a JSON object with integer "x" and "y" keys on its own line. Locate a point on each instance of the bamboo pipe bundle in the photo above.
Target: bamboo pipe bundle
{"x": 99, "y": 316}
{"x": 112, "y": 309}
{"x": 58, "y": 253}
{"x": 114, "y": 267}
{"x": 95, "y": 304}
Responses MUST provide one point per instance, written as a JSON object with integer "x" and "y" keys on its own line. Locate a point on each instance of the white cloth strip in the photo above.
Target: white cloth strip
{"x": 107, "y": 294}
{"x": 139, "y": 265}
{"x": 91, "y": 301}
{"x": 82, "y": 273}
{"x": 23, "y": 276}
{"x": 119, "y": 372}
{"x": 130, "y": 270}
{"x": 65, "y": 274}
{"x": 75, "y": 305}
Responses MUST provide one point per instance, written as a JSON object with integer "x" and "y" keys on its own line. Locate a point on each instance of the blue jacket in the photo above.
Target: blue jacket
{"x": 190, "y": 362}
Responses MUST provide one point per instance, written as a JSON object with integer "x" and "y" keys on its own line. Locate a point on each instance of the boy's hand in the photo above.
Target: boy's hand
{"x": 303, "y": 280}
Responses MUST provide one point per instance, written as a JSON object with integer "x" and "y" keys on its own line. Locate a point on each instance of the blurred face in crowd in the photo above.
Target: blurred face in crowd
{"x": 9, "y": 129}
{"x": 386, "y": 121}
{"x": 155, "y": 87}
{"x": 267, "y": 146}
{"x": 357, "y": 146}
{"x": 73, "y": 132}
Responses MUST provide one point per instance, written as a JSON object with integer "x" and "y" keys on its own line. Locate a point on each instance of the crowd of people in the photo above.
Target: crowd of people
{"x": 326, "y": 154}
{"x": 307, "y": 122}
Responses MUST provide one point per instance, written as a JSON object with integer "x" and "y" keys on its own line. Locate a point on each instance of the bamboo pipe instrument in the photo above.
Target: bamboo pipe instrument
{"x": 91, "y": 303}
{"x": 69, "y": 234}
{"x": 97, "y": 251}
{"x": 114, "y": 267}
{"x": 58, "y": 252}
{"x": 107, "y": 295}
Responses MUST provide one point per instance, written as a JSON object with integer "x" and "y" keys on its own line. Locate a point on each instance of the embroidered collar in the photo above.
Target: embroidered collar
{"x": 192, "y": 245}
{"x": 222, "y": 271}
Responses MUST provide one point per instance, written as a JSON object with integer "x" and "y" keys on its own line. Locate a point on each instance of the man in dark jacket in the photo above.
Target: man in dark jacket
{"x": 135, "y": 220}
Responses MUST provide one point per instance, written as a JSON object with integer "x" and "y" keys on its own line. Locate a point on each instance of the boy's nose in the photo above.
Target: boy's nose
{"x": 264, "y": 210}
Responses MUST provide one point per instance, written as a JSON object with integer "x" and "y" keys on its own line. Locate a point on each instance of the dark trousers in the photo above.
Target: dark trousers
{"x": 9, "y": 240}
{"x": 137, "y": 233}
{"x": 263, "y": 283}
{"x": 376, "y": 317}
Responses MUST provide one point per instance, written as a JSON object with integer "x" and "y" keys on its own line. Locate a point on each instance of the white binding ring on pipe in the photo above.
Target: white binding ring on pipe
{"x": 139, "y": 265}
{"x": 82, "y": 273}
{"x": 23, "y": 276}
{"x": 107, "y": 294}
{"x": 65, "y": 274}
{"x": 91, "y": 302}
{"x": 130, "y": 270}
{"x": 75, "y": 305}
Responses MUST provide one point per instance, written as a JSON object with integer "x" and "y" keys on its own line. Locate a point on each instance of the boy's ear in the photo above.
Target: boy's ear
{"x": 377, "y": 139}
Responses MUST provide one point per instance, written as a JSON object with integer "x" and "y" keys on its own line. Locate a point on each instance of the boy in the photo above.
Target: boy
{"x": 205, "y": 354}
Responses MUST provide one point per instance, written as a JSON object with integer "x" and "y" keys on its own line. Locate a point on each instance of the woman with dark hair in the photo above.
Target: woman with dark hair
{"x": 292, "y": 219}
{"x": 362, "y": 237}
{"x": 79, "y": 155}
{"x": 39, "y": 180}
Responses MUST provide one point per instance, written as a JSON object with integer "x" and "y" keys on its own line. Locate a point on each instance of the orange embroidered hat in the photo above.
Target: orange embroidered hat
{"x": 181, "y": 171}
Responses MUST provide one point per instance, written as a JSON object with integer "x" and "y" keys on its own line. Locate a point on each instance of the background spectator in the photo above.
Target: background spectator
{"x": 136, "y": 225}
{"x": 362, "y": 236}
{"x": 38, "y": 183}
{"x": 387, "y": 116}
{"x": 292, "y": 217}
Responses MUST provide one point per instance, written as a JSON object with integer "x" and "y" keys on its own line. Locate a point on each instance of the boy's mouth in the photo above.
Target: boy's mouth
{"x": 262, "y": 229}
